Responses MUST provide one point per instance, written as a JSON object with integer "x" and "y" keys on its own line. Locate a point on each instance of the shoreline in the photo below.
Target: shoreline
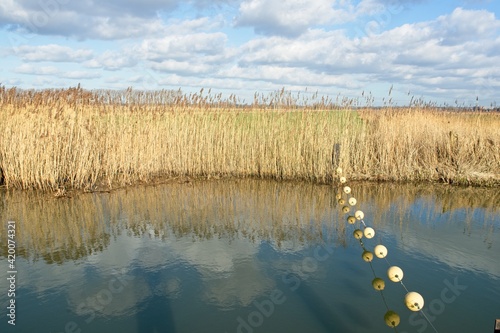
{"x": 63, "y": 192}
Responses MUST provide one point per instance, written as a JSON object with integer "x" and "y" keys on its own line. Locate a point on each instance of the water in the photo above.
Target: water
{"x": 250, "y": 256}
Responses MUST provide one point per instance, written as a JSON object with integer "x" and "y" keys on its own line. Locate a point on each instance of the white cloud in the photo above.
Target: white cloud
{"x": 302, "y": 44}
{"x": 52, "y": 52}
{"x": 36, "y": 70}
{"x": 295, "y": 17}
{"x": 29, "y": 69}
{"x": 81, "y": 20}
{"x": 112, "y": 60}
{"x": 188, "y": 26}
{"x": 78, "y": 75}
{"x": 467, "y": 25}
{"x": 183, "y": 46}
{"x": 122, "y": 28}
{"x": 107, "y": 19}
{"x": 289, "y": 18}
{"x": 417, "y": 55}
{"x": 280, "y": 76}
{"x": 182, "y": 67}
{"x": 311, "y": 49}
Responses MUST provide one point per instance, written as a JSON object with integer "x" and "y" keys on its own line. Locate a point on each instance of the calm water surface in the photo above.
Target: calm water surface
{"x": 250, "y": 256}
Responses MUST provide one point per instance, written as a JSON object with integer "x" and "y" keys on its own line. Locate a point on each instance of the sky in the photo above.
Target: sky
{"x": 446, "y": 52}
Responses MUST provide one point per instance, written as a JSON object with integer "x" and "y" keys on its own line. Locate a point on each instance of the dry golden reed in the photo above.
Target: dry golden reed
{"x": 76, "y": 139}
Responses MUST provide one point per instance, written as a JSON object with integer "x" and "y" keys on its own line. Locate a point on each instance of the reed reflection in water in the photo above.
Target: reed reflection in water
{"x": 187, "y": 256}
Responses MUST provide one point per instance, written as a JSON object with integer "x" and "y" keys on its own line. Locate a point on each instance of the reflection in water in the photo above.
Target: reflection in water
{"x": 287, "y": 214}
{"x": 178, "y": 257}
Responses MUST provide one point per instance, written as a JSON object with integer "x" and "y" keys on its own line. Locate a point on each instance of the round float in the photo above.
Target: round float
{"x": 380, "y": 251}
{"x": 358, "y": 234}
{"x": 351, "y": 219}
{"x": 414, "y": 301}
{"x": 378, "y": 284}
{"x": 395, "y": 274}
{"x": 369, "y": 232}
{"x": 392, "y": 318}
{"x": 367, "y": 256}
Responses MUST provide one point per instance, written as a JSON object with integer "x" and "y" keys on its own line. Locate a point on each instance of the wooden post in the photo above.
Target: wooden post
{"x": 335, "y": 155}
{"x": 497, "y": 326}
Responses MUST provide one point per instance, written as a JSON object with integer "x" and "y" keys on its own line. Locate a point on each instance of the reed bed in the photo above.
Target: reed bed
{"x": 59, "y": 140}
{"x": 423, "y": 144}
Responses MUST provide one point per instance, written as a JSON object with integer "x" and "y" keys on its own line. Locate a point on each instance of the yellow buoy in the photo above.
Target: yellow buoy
{"x": 338, "y": 196}
{"x": 343, "y": 180}
{"x": 392, "y": 318}
{"x": 339, "y": 170}
{"x": 369, "y": 232}
{"x": 367, "y": 256}
{"x": 341, "y": 201}
{"x": 347, "y": 189}
{"x": 378, "y": 284}
{"x": 346, "y": 209}
{"x": 414, "y": 301}
{"x": 352, "y": 201}
{"x": 380, "y": 251}
{"x": 358, "y": 234}
{"x": 359, "y": 215}
{"x": 351, "y": 219}
{"x": 395, "y": 274}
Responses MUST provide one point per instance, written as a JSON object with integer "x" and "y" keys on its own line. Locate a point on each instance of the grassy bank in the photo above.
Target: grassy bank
{"x": 74, "y": 139}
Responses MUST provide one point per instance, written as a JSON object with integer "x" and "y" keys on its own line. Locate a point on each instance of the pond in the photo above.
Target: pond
{"x": 249, "y": 256}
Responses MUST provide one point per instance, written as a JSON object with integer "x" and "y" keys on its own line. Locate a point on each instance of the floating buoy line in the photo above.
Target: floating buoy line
{"x": 413, "y": 300}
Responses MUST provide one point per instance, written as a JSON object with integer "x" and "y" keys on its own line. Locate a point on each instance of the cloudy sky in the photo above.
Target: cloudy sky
{"x": 442, "y": 51}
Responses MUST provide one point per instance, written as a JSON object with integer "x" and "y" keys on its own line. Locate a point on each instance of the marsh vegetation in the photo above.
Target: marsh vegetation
{"x": 65, "y": 139}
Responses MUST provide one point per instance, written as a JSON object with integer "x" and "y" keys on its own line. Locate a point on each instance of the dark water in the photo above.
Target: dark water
{"x": 250, "y": 256}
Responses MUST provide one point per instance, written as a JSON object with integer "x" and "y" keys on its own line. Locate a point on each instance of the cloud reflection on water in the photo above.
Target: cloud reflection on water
{"x": 217, "y": 229}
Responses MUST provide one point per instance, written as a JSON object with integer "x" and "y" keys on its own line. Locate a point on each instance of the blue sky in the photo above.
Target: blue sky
{"x": 441, "y": 51}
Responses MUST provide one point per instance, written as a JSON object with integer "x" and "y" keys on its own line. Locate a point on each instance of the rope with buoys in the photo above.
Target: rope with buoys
{"x": 413, "y": 300}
